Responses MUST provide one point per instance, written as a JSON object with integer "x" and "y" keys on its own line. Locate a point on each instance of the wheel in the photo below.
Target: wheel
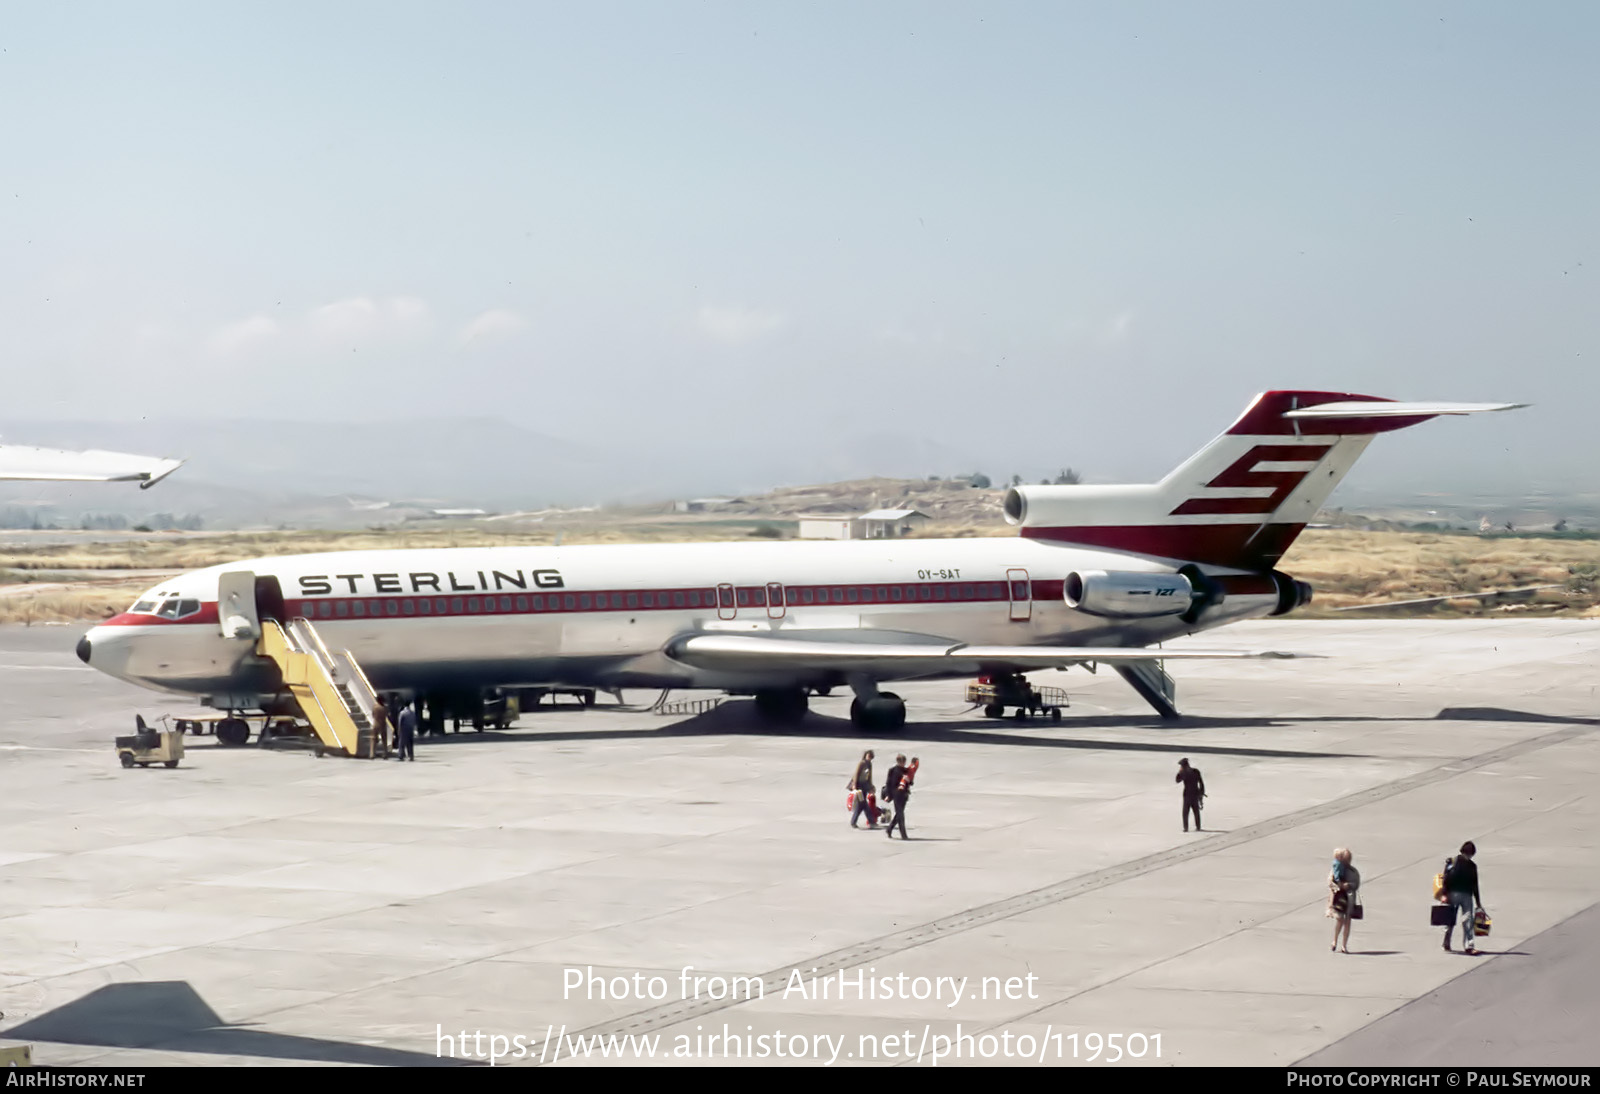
{"x": 233, "y": 731}
{"x": 886, "y": 713}
{"x": 783, "y": 706}
{"x": 169, "y": 763}
{"x": 994, "y": 710}
{"x": 587, "y": 698}
{"x": 320, "y": 751}
{"x": 127, "y": 760}
{"x": 1022, "y": 712}
{"x": 1055, "y": 714}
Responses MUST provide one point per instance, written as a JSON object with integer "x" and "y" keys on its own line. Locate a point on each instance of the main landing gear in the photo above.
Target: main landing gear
{"x": 883, "y": 711}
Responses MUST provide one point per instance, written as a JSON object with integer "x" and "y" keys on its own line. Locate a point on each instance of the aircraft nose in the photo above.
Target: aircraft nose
{"x": 84, "y": 646}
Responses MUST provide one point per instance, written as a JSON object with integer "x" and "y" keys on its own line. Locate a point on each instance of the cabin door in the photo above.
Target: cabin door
{"x": 1021, "y": 595}
{"x": 236, "y": 605}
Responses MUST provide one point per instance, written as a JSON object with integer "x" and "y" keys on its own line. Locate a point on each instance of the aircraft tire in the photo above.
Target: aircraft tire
{"x": 994, "y": 710}
{"x": 233, "y": 731}
{"x": 886, "y": 713}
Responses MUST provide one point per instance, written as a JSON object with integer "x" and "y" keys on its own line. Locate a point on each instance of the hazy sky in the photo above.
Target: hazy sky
{"x": 1058, "y": 233}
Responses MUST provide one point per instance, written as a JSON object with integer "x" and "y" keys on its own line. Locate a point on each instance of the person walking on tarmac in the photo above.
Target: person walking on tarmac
{"x": 898, "y": 788}
{"x": 1194, "y": 792}
{"x": 406, "y": 733}
{"x": 1461, "y": 885}
{"x": 861, "y": 781}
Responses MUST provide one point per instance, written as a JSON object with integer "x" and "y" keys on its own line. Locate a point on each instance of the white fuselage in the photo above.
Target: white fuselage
{"x": 600, "y": 616}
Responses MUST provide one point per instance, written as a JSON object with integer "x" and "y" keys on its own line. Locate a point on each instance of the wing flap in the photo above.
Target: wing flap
{"x": 754, "y": 653}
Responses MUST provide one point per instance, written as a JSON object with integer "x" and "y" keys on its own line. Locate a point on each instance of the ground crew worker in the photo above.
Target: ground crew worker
{"x": 1194, "y": 792}
{"x": 380, "y": 722}
{"x": 406, "y": 733}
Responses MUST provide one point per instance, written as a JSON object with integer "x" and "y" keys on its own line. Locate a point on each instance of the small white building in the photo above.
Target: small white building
{"x": 878, "y": 524}
{"x": 828, "y": 526}
{"x": 890, "y": 523}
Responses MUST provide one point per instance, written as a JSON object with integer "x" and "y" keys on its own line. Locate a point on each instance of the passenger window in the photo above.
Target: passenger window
{"x": 538, "y": 603}
{"x": 649, "y": 600}
{"x": 758, "y": 597}
{"x": 633, "y": 600}
{"x": 571, "y": 602}
{"x": 744, "y": 598}
{"x": 359, "y": 608}
{"x": 425, "y": 606}
{"x": 392, "y": 607}
{"x": 966, "y": 592}
{"x": 895, "y": 592}
{"x": 455, "y": 605}
{"x": 805, "y": 596}
{"x": 488, "y": 603}
{"x": 408, "y": 607}
{"x": 439, "y": 606}
{"x": 924, "y": 592}
{"x": 583, "y": 602}
{"x": 522, "y": 603}
{"x": 726, "y": 596}
{"x": 852, "y": 594}
{"x": 938, "y": 592}
{"x": 883, "y": 594}
{"x": 677, "y": 600}
{"x": 342, "y": 609}
{"x": 694, "y": 598}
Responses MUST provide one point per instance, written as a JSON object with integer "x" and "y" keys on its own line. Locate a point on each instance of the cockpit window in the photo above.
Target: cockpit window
{"x": 170, "y": 606}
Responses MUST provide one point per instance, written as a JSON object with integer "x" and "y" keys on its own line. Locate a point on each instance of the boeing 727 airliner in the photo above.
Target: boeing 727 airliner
{"x": 1098, "y": 575}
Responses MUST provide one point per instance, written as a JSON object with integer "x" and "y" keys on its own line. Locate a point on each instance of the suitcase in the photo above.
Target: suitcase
{"x": 1444, "y": 915}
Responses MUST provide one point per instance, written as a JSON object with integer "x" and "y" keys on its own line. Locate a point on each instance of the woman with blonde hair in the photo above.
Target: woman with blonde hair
{"x": 1343, "y": 881}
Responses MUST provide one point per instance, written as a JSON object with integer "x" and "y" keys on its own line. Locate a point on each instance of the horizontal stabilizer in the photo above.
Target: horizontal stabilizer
{"x": 1396, "y": 410}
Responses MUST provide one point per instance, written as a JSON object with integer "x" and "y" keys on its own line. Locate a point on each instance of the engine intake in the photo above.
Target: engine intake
{"x": 1292, "y": 594}
{"x": 1121, "y": 594}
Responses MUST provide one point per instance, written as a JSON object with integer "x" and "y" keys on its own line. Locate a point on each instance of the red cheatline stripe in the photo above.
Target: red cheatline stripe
{"x": 746, "y": 599}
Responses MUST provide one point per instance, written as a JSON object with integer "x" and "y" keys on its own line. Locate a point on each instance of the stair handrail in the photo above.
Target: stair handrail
{"x": 306, "y": 641}
{"x": 366, "y": 697}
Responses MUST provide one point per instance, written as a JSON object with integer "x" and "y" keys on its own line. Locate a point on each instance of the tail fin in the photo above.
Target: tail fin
{"x": 1242, "y": 499}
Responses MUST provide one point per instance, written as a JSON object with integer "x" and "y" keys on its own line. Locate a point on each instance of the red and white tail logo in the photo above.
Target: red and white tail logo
{"x": 1242, "y": 499}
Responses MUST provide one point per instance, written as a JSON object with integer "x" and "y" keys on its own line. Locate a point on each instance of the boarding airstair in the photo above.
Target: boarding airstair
{"x": 332, "y": 691}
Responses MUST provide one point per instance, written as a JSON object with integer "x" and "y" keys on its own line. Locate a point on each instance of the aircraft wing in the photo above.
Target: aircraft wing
{"x": 20, "y": 462}
{"x": 757, "y": 653}
{"x": 1453, "y": 596}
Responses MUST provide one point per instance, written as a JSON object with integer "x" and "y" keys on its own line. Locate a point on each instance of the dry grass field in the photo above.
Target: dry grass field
{"x": 85, "y": 580}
